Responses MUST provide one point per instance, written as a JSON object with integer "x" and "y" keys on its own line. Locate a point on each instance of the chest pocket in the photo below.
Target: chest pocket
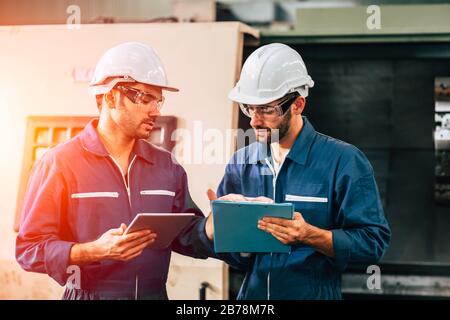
{"x": 95, "y": 211}
{"x": 90, "y": 202}
{"x": 311, "y": 200}
{"x": 157, "y": 200}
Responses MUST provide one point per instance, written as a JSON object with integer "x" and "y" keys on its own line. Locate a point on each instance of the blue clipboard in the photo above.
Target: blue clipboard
{"x": 235, "y": 226}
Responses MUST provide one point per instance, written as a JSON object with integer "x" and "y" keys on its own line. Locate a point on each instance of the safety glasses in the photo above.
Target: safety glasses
{"x": 269, "y": 110}
{"x": 141, "y": 97}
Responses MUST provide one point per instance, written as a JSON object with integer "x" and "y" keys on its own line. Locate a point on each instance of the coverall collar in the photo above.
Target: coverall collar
{"x": 91, "y": 142}
{"x": 302, "y": 145}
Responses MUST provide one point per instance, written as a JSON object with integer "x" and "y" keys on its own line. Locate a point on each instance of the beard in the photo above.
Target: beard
{"x": 145, "y": 128}
{"x": 282, "y": 129}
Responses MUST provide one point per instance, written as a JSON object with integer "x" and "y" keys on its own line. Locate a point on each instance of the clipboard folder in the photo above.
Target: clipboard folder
{"x": 235, "y": 226}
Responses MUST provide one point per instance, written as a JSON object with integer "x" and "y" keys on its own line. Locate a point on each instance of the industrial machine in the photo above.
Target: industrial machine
{"x": 442, "y": 140}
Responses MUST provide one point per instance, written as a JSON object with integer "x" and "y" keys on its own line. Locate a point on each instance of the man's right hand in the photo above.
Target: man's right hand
{"x": 112, "y": 245}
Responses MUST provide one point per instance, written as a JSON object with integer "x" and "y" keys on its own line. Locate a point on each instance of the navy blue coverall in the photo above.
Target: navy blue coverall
{"x": 331, "y": 183}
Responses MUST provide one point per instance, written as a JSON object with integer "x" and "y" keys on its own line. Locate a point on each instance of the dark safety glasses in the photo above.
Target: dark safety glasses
{"x": 140, "y": 97}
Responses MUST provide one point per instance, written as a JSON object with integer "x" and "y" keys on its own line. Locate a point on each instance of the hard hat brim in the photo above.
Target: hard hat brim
{"x": 96, "y": 89}
{"x": 104, "y": 88}
{"x": 236, "y": 96}
{"x": 172, "y": 89}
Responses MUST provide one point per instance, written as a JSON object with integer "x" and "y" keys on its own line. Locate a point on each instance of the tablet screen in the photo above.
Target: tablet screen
{"x": 167, "y": 226}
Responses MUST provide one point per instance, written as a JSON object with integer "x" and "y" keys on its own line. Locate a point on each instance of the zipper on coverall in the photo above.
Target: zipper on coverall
{"x": 127, "y": 187}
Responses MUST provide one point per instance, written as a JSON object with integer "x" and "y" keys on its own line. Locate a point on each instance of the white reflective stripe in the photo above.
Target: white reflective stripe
{"x": 157, "y": 193}
{"x": 245, "y": 254}
{"x": 95, "y": 195}
{"x": 290, "y": 197}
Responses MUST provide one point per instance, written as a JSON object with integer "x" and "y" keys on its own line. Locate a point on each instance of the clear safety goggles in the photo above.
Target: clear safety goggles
{"x": 269, "y": 110}
{"x": 141, "y": 97}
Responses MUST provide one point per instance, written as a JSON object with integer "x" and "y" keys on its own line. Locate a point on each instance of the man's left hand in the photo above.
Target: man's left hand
{"x": 285, "y": 230}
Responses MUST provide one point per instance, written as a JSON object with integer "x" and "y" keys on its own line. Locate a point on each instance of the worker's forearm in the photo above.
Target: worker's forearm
{"x": 320, "y": 239}
{"x": 83, "y": 253}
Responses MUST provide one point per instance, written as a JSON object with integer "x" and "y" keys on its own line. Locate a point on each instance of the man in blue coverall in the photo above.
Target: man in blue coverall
{"x": 82, "y": 192}
{"x": 338, "y": 218}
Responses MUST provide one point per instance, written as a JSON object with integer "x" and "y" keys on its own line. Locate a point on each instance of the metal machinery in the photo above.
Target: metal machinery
{"x": 442, "y": 140}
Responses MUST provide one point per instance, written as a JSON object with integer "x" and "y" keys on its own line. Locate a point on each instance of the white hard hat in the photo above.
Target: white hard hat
{"x": 269, "y": 73}
{"x": 128, "y": 62}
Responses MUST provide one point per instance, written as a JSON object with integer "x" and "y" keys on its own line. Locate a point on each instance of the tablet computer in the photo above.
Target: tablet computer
{"x": 236, "y": 226}
{"x": 166, "y": 225}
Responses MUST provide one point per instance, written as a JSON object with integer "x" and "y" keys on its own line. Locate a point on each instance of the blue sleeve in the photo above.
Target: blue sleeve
{"x": 41, "y": 245}
{"x": 191, "y": 241}
{"x": 362, "y": 234}
{"x": 231, "y": 183}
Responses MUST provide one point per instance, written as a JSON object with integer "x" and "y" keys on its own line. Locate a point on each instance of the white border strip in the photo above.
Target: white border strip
{"x": 290, "y": 197}
{"x": 442, "y": 106}
{"x": 157, "y": 193}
